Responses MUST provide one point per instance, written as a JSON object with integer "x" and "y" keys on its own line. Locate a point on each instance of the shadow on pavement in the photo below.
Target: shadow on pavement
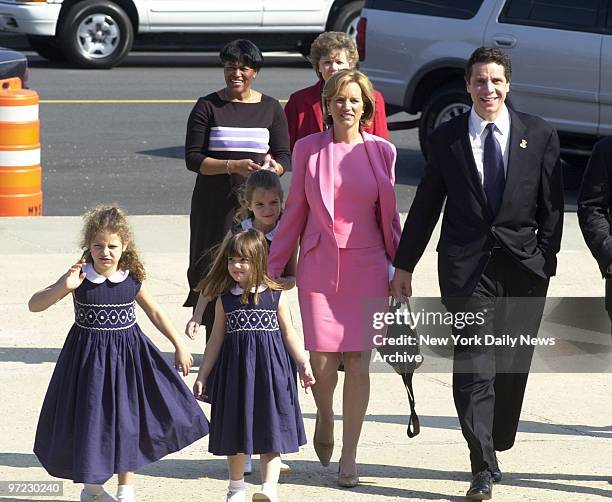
{"x": 307, "y": 473}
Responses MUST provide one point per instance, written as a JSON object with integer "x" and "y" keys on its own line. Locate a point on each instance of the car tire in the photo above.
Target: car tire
{"x": 96, "y": 34}
{"x": 47, "y": 47}
{"x": 347, "y": 17}
{"x": 444, "y": 104}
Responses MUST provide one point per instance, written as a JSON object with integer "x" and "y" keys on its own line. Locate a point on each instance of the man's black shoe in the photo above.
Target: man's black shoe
{"x": 481, "y": 487}
{"x": 496, "y": 474}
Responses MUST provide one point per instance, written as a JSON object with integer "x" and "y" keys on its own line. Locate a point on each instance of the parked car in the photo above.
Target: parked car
{"x": 415, "y": 53}
{"x": 100, "y": 33}
{"x": 13, "y": 64}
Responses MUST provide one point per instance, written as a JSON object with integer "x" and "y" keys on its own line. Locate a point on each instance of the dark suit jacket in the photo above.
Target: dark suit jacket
{"x": 529, "y": 223}
{"x": 594, "y": 201}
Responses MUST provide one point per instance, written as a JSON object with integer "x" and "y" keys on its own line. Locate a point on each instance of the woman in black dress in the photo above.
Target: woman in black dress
{"x": 230, "y": 133}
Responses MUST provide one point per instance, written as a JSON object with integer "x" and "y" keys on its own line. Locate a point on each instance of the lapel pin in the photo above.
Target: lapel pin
{"x": 523, "y": 143}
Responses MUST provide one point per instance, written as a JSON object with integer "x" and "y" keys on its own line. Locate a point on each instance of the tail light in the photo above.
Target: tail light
{"x": 361, "y": 38}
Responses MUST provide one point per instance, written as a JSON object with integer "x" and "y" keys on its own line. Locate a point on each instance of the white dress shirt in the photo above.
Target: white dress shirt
{"x": 478, "y": 133}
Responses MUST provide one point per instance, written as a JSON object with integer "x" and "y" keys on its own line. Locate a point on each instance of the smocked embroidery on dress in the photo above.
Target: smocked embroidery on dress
{"x": 104, "y": 317}
{"x": 243, "y": 319}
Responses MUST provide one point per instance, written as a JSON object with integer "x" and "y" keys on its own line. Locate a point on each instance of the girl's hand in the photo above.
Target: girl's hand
{"x": 183, "y": 360}
{"x": 199, "y": 387}
{"x": 307, "y": 379}
{"x": 75, "y": 276}
{"x": 243, "y": 167}
{"x": 270, "y": 164}
{"x": 192, "y": 328}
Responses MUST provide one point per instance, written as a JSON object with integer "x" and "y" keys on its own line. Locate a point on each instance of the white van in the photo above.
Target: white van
{"x": 100, "y": 33}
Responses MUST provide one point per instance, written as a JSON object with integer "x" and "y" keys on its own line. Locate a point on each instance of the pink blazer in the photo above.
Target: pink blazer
{"x": 308, "y": 212}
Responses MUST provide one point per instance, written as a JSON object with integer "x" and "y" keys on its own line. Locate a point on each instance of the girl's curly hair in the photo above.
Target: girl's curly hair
{"x": 111, "y": 218}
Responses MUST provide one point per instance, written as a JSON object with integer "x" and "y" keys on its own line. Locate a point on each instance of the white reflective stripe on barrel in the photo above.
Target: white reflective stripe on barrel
{"x": 18, "y": 158}
{"x": 18, "y": 113}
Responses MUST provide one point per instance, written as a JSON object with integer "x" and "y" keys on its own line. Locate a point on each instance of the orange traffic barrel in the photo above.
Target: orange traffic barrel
{"x": 20, "y": 172}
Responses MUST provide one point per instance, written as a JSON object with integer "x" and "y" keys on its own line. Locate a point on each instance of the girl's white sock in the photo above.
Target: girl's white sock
{"x": 126, "y": 492}
{"x": 269, "y": 489}
{"x": 237, "y": 485}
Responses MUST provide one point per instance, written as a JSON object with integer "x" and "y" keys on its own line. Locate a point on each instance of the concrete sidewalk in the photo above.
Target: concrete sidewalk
{"x": 562, "y": 453}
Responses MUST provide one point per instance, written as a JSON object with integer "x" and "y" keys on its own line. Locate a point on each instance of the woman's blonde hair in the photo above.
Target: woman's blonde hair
{"x": 112, "y": 219}
{"x": 337, "y": 82}
{"x": 264, "y": 179}
{"x": 331, "y": 41}
{"x": 250, "y": 244}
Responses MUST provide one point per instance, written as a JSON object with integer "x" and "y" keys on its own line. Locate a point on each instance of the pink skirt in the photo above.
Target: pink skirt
{"x": 342, "y": 321}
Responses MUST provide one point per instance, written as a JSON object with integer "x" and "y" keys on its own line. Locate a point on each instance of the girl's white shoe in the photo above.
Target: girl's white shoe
{"x": 267, "y": 493}
{"x": 284, "y": 468}
{"x": 103, "y": 496}
{"x": 236, "y": 496}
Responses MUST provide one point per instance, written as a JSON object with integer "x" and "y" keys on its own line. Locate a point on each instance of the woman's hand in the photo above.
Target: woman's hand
{"x": 75, "y": 276}
{"x": 307, "y": 379}
{"x": 243, "y": 167}
{"x": 199, "y": 387}
{"x": 191, "y": 330}
{"x": 183, "y": 360}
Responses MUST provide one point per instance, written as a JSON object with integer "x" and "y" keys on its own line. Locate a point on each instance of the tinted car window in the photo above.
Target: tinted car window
{"x": 559, "y": 14}
{"x": 459, "y": 9}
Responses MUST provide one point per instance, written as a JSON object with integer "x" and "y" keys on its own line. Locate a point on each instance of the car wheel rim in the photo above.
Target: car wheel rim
{"x": 351, "y": 29}
{"x": 449, "y": 112}
{"x": 98, "y": 36}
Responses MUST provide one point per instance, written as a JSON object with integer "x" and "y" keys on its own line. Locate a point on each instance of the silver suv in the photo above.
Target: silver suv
{"x": 415, "y": 53}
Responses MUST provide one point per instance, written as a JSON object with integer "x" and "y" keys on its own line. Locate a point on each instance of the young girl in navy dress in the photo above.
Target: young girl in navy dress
{"x": 114, "y": 404}
{"x": 261, "y": 205}
{"x": 255, "y": 408}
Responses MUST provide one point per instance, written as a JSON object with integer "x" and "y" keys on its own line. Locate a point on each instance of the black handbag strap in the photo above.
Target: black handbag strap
{"x": 414, "y": 426}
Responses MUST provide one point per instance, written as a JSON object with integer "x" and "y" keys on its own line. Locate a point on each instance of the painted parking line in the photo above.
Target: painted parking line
{"x": 118, "y": 101}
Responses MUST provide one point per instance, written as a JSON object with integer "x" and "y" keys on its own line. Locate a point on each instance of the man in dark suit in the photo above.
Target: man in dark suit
{"x": 500, "y": 174}
{"x": 594, "y": 204}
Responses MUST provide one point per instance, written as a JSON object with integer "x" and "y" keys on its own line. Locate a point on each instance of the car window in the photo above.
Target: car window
{"x": 559, "y": 14}
{"x": 459, "y": 9}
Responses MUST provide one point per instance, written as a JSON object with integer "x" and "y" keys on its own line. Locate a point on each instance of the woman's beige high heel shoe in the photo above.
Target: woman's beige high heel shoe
{"x": 347, "y": 480}
{"x": 323, "y": 450}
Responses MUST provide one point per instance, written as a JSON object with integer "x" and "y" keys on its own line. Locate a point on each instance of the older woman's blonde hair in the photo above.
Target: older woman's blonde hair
{"x": 337, "y": 82}
{"x": 331, "y": 41}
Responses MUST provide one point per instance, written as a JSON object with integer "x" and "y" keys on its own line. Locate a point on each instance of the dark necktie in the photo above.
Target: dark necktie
{"x": 493, "y": 164}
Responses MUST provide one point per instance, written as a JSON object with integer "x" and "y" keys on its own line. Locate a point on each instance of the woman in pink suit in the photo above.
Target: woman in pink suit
{"x": 341, "y": 206}
{"x": 331, "y": 51}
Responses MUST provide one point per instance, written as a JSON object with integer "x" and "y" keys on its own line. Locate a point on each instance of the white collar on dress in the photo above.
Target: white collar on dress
{"x": 248, "y": 223}
{"x": 92, "y": 276}
{"x": 237, "y": 290}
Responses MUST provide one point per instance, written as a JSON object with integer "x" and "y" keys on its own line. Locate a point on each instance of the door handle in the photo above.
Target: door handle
{"x": 505, "y": 41}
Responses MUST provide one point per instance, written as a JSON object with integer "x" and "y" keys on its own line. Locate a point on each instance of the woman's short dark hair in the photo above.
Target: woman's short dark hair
{"x": 242, "y": 51}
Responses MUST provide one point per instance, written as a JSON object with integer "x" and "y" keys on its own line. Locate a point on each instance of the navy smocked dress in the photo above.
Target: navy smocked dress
{"x": 255, "y": 407}
{"x": 114, "y": 403}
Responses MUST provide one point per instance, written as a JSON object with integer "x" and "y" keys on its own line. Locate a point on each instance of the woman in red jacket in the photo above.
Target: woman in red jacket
{"x": 331, "y": 51}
